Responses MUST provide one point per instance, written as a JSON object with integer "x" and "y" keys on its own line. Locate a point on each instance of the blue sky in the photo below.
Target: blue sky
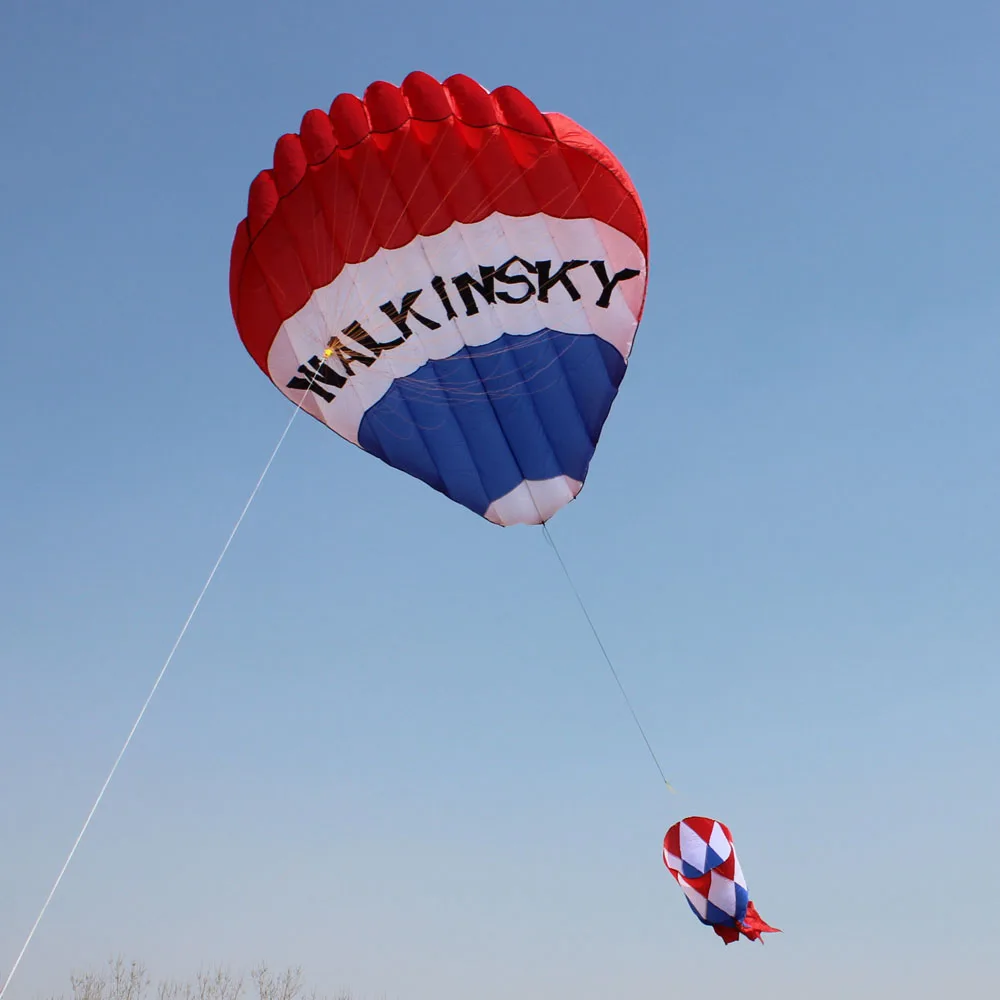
{"x": 388, "y": 749}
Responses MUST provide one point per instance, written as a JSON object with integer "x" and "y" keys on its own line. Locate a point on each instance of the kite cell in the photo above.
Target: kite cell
{"x": 700, "y": 855}
{"x": 450, "y": 280}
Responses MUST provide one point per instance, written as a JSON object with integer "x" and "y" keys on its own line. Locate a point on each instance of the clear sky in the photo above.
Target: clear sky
{"x": 388, "y": 749}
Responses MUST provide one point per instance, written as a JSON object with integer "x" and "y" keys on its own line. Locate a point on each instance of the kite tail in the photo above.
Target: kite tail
{"x": 753, "y": 926}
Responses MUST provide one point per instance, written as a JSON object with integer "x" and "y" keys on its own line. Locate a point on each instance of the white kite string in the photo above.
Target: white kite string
{"x": 149, "y": 698}
{"x": 604, "y": 651}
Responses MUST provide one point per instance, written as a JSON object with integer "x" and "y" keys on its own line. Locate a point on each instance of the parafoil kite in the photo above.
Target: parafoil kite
{"x": 452, "y": 281}
{"x": 700, "y": 855}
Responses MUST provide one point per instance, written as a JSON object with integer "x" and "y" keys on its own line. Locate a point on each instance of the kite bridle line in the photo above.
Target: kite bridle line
{"x": 604, "y": 652}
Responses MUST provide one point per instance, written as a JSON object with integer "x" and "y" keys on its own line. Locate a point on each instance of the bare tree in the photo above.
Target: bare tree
{"x": 118, "y": 982}
{"x": 130, "y": 981}
{"x": 220, "y": 984}
{"x": 286, "y": 985}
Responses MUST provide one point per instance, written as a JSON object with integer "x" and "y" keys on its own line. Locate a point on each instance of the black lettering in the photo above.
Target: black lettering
{"x": 405, "y": 310}
{"x": 347, "y": 355}
{"x": 515, "y": 279}
{"x": 319, "y": 375}
{"x": 360, "y": 335}
{"x": 601, "y": 270}
{"x": 303, "y": 383}
{"x": 465, "y": 283}
{"x": 545, "y": 282}
{"x": 437, "y": 283}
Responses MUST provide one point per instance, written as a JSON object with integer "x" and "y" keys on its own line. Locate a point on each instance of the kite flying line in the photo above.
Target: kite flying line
{"x": 149, "y": 698}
